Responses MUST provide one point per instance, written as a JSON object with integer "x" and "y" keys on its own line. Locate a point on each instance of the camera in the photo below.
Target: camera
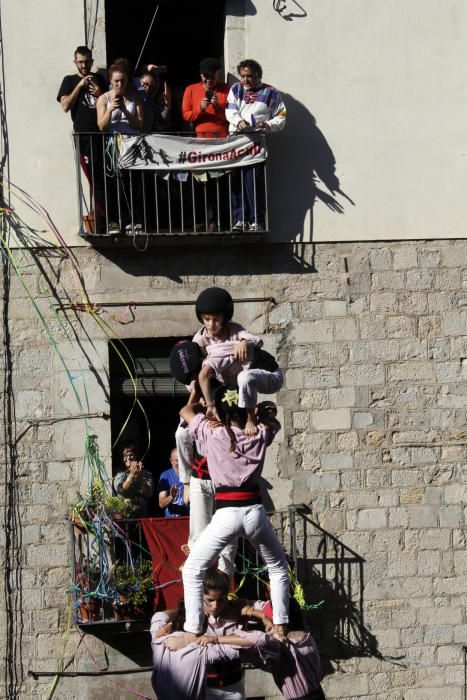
{"x": 209, "y": 95}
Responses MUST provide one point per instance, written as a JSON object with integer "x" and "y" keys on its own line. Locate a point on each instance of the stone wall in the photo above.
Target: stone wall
{"x": 372, "y": 339}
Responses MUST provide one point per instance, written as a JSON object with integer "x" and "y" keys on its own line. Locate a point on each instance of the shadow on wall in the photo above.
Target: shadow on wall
{"x": 332, "y": 577}
{"x": 304, "y": 172}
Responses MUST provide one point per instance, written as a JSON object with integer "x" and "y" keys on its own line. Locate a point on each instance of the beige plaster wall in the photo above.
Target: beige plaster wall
{"x": 384, "y": 80}
{"x": 380, "y": 82}
{"x": 39, "y": 41}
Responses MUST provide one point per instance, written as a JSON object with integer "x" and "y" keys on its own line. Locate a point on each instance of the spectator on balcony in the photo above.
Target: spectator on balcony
{"x": 78, "y": 95}
{"x": 252, "y": 105}
{"x": 170, "y": 490}
{"x": 120, "y": 109}
{"x": 156, "y": 96}
{"x": 204, "y": 103}
{"x": 134, "y": 482}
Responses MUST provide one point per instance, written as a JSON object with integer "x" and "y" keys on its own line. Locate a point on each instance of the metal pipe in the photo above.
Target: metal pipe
{"x": 76, "y": 674}
{"x": 110, "y": 304}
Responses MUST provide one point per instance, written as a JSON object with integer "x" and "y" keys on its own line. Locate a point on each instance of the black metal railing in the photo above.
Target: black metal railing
{"x": 330, "y": 574}
{"x": 115, "y": 200}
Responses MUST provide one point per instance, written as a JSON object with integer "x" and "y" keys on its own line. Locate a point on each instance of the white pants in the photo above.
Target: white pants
{"x": 201, "y": 511}
{"x": 235, "y": 691}
{"x": 184, "y": 443}
{"x": 226, "y": 525}
{"x": 252, "y": 381}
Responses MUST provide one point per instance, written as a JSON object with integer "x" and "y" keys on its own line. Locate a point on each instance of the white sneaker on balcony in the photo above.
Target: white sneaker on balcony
{"x": 133, "y": 229}
{"x": 256, "y": 228}
{"x": 240, "y": 226}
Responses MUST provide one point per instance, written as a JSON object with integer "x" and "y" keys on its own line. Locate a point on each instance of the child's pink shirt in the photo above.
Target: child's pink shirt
{"x": 244, "y": 464}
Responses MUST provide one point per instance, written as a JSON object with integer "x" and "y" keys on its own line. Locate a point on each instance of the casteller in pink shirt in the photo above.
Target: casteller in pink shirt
{"x": 244, "y": 464}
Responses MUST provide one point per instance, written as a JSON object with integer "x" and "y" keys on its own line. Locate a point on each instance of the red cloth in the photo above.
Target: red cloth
{"x": 165, "y": 537}
{"x": 210, "y": 123}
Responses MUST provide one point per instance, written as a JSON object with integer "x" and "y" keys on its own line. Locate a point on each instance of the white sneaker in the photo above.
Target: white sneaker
{"x": 240, "y": 226}
{"x": 256, "y": 227}
{"x": 133, "y": 228}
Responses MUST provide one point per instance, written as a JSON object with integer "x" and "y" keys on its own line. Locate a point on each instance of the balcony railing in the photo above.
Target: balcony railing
{"x": 170, "y": 184}
{"x": 329, "y": 573}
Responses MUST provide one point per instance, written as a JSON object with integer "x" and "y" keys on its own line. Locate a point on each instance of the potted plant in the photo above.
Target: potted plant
{"x": 89, "y": 601}
{"x": 133, "y": 590}
{"x": 118, "y": 507}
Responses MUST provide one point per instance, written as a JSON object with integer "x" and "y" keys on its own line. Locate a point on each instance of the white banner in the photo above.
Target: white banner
{"x": 168, "y": 152}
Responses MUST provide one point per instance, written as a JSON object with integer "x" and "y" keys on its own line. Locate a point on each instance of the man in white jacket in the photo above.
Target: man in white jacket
{"x": 251, "y": 105}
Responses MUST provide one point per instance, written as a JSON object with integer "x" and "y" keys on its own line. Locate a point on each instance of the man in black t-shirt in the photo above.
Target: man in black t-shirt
{"x": 78, "y": 94}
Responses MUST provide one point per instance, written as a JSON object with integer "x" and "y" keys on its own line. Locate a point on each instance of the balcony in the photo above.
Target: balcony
{"x": 164, "y": 188}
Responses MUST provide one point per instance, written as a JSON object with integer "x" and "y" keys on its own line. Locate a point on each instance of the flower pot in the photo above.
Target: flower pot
{"x": 121, "y": 608}
{"x": 90, "y": 609}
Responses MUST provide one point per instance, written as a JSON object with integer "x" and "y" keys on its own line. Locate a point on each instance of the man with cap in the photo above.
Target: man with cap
{"x": 204, "y": 103}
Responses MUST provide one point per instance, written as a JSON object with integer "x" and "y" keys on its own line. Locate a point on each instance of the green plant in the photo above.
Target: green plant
{"x": 134, "y": 584}
{"x": 117, "y": 505}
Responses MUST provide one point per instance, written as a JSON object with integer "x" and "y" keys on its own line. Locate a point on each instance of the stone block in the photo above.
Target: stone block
{"x": 447, "y": 279}
{"x": 331, "y": 419}
{"x": 281, "y": 314}
{"x": 372, "y": 519}
{"x": 414, "y": 303}
{"x": 300, "y": 420}
{"x": 381, "y": 281}
{"x": 450, "y": 516}
{"x": 335, "y": 461}
{"x": 294, "y": 379}
{"x": 454, "y": 323}
{"x": 419, "y": 279}
{"x": 383, "y": 302}
{"x": 313, "y": 332}
{"x": 362, "y": 419}
{"x": 342, "y": 397}
{"x": 405, "y": 258}
{"x": 449, "y": 371}
{"x": 316, "y": 398}
{"x": 372, "y": 327}
{"x": 362, "y": 375}
{"x": 345, "y": 685}
{"x": 411, "y": 371}
{"x": 58, "y": 471}
{"x": 334, "y": 307}
{"x": 422, "y": 516}
{"x": 321, "y": 377}
{"x": 380, "y": 259}
{"x": 438, "y": 634}
{"x": 429, "y": 258}
{"x": 401, "y": 564}
{"x": 398, "y": 517}
{"x": 345, "y": 329}
{"x": 309, "y": 310}
{"x": 428, "y": 562}
{"x": 48, "y": 555}
{"x": 441, "y": 615}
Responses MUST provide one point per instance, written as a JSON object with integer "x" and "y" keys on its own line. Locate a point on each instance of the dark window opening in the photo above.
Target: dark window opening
{"x": 183, "y": 33}
{"x": 161, "y": 398}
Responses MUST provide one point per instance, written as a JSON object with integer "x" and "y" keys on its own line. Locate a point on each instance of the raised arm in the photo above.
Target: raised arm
{"x": 67, "y": 101}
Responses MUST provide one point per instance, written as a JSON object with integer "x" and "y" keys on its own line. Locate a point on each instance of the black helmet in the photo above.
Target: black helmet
{"x": 185, "y": 361}
{"x": 215, "y": 300}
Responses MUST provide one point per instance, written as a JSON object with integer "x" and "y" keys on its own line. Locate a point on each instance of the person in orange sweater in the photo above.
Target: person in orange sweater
{"x": 204, "y": 103}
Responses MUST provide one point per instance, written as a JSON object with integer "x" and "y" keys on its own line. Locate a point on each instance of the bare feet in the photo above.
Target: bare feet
{"x": 250, "y": 427}
{"x": 176, "y": 642}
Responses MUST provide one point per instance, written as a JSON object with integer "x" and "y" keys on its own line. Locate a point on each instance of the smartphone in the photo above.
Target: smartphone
{"x": 209, "y": 95}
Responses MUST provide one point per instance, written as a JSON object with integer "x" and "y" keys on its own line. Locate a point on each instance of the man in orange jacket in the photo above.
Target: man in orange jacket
{"x": 204, "y": 103}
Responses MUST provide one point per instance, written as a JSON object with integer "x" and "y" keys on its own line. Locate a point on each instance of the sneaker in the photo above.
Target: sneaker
{"x": 133, "y": 229}
{"x": 256, "y": 228}
{"x": 240, "y": 226}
